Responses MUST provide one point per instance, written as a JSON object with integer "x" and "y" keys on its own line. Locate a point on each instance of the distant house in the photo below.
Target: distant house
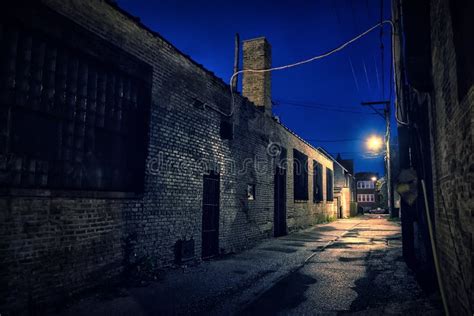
{"x": 366, "y": 192}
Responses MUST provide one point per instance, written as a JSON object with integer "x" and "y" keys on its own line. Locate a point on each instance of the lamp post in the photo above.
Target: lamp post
{"x": 385, "y": 114}
{"x": 375, "y": 144}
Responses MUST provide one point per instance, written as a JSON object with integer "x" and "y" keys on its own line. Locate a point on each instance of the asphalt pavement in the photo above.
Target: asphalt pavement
{"x": 351, "y": 266}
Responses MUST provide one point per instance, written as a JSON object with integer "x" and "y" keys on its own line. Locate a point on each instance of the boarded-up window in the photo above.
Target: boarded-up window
{"x": 317, "y": 181}
{"x": 300, "y": 175}
{"x": 73, "y": 108}
{"x": 329, "y": 185}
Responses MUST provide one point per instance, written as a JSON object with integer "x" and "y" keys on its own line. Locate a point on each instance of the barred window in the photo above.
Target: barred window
{"x": 300, "y": 175}
{"x": 73, "y": 115}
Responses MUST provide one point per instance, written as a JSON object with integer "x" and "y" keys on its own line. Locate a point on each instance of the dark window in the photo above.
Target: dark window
{"x": 227, "y": 130}
{"x": 300, "y": 175}
{"x": 329, "y": 185}
{"x": 73, "y": 110}
{"x": 317, "y": 181}
{"x": 463, "y": 30}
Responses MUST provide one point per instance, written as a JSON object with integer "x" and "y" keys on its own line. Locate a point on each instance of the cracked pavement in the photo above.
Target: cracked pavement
{"x": 351, "y": 266}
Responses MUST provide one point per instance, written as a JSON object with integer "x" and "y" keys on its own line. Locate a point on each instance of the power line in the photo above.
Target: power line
{"x": 315, "y": 103}
{"x": 354, "y": 75}
{"x": 315, "y": 107}
{"x": 299, "y": 63}
{"x": 377, "y": 73}
{"x": 333, "y": 140}
{"x": 367, "y": 76}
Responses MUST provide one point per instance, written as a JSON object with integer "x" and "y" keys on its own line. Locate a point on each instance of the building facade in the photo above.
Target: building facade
{"x": 344, "y": 186}
{"x": 435, "y": 79}
{"x": 367, "y": 197}
{"x": 117, "y": 150}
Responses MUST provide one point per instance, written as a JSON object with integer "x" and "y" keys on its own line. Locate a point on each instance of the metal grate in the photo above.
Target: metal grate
{"x": 68, "y": 120}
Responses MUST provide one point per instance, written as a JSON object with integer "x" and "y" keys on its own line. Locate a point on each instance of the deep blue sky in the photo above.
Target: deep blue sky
{"x": 296, "y": 30}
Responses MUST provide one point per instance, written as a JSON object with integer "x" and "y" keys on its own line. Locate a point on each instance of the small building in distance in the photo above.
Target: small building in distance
{"x": 366, "y": 193}
{"x": 344, "y": 185}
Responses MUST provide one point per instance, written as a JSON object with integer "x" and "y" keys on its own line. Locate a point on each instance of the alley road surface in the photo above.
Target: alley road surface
{"x": 351, "y": 266}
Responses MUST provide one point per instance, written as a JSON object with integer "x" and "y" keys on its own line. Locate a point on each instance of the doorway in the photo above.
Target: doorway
{"x": 210, "y": 215}
{"x": 279, "y": 218}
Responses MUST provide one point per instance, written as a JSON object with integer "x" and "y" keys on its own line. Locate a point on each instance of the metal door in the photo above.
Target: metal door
{"x": 210, "y": 215}
{"x": 280, "y": 202}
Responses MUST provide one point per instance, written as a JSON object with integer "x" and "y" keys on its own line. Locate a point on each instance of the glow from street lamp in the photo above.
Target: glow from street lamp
{"x": 373, "y": 179}
{"x": 374, "y": 143}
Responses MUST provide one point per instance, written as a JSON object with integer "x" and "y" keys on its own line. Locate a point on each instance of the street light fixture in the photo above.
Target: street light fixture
{"x": 385, "y": 114}
{"x": 374, "y": 143}
{"x": 373, "y": 179}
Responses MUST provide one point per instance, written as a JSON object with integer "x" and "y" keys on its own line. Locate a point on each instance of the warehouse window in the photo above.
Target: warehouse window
{"x": 73, "y": 112}
{"x": 329, "y": 185}
{"x": 300, "y": 175}
{"x": 317, "y": 181}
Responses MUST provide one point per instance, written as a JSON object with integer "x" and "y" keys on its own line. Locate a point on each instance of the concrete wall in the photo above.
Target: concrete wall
{"x": 54, "y": 244}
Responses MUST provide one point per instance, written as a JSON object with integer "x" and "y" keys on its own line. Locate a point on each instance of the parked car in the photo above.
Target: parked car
{"x": 377, "y": 210}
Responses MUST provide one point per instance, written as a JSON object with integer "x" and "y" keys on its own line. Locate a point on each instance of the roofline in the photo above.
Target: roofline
{"x": 333, "y": 159}
{"x": 299, "y": 137}
{"x": 138, "y": 22}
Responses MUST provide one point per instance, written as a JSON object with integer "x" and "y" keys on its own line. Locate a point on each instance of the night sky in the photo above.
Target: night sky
{"x": 320, "y": 101}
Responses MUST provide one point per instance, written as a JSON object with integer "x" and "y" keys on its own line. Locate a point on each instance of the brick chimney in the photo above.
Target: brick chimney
{"x": 257, "y": 54}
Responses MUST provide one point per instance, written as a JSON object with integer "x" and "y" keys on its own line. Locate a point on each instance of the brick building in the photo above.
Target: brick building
{"x": 117, "y": 150}
{"x": 367, "y": 197}
{"x": 344, "y": 184}
{"x": 435, "y": 79}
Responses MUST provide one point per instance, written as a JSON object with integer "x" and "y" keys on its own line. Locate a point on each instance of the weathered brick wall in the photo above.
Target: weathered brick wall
{"x": 346, "y": 202}
{"x": 452, "y": 150}
{"x": 257, "y": 86}
{"x": 53, "y": 246}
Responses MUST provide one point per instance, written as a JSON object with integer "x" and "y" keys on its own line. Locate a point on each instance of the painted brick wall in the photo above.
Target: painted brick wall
{"x": 452, "y": 147}
{"x": 54, "y": 246}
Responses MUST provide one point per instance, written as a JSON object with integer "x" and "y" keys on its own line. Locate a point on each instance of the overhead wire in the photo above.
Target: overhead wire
{"x": 310, "y": 102}
{"x": 354, "y": 75}
{"x": 302, "y": 62}
{"x": 377, "y": 73}
{"x": 334, "y": 140}
{"x": 315, "y": 107}
{"x": 367, "y": 76}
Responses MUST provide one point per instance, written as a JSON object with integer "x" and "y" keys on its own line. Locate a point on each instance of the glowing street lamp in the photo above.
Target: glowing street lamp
{"x": 374, "y": 143}
{"x": 373, "y": 179}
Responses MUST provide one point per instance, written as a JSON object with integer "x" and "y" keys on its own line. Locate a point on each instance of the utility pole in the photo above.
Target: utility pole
{"x": 386, "y": 116}
{"x": 236, "y": 61}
